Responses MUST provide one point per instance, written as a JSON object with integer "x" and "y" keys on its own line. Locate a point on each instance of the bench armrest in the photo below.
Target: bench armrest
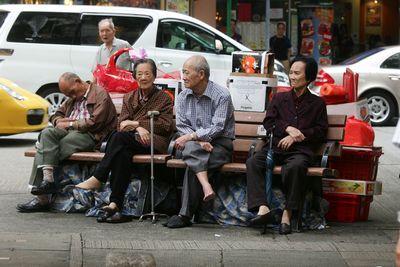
{"x": 171, "y": 147}
{"x": 327, "y": 151}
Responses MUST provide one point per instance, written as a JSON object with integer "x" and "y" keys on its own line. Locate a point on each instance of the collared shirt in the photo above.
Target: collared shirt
{"x": 209, "y": 115}
{"x": 80, "y": 110}
{"x": 104, "y": 53}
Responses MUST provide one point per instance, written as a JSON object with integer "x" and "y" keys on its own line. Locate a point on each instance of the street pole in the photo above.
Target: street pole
{"x": 289, "y": 26}
{"x": 228, "y": 17}
{"x": 267, "y": 26}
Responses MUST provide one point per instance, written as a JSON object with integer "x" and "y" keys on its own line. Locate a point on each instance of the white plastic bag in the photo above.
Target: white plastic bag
{"x": 396, "y": 136}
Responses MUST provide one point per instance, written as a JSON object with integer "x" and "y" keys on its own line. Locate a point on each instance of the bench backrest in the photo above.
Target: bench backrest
{"x": 248, "y": 130}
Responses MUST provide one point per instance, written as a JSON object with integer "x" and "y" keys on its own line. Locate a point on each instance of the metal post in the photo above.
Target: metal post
{"x": 152, "y": 160}
{"x": 228, "y": 17}
{"x": 267, "y": 21}
{"x": 154, "y": 216}
{"x": 289, "y": 24}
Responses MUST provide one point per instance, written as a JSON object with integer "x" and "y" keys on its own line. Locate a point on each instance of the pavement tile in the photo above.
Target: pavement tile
{"x": 252, "y": 258}
{"x": 97, "y": 257}
{"x": 33, "y": 258}
{"x": 361, "y": 259}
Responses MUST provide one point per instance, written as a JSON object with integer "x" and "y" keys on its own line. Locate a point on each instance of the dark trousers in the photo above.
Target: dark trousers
{"x": 199, "y": 160}
{"x": 294, "y": 175}
{"x": 118, "y": 159}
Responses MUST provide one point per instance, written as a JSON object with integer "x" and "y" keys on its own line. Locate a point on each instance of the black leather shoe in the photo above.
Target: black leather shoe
{"x": 33, "y": 206}
{"x": 44, "y": 188}
{"x": 285, "y": 229}
{"x": 272, "y": 217}
{"x": 118, "y": 217}
{"x": 103, "y": 217}
{"x": 178, "y": 221}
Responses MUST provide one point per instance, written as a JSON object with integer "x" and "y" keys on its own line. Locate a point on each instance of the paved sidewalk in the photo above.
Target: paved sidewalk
{"x": 57, "y": 239}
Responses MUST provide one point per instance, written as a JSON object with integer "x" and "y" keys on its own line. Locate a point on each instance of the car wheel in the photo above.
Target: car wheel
{"x": 381, "y": 108}
{"x": 54, "y": 97}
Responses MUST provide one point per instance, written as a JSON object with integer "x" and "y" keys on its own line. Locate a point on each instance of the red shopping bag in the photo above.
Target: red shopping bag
{"x": 114, "y": 79}
{"x": 358, "y": 133}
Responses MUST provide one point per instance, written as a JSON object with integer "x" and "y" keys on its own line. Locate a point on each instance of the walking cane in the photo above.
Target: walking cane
{"x": 154, "y": 216}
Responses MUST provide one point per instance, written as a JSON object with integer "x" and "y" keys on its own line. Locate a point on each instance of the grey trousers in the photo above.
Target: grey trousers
{"x": 56, "y": 145}
{"x": 197, "y": 160}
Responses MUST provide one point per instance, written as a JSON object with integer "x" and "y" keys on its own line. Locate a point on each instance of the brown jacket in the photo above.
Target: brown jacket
{"x": 103, "y": 116}
{"x": 163, "y": 124}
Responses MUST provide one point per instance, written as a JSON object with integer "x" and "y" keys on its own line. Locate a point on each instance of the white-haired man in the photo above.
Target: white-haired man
{"x": 110, "y": 45}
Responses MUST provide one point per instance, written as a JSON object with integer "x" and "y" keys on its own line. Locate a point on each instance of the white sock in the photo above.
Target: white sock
{"x": 48, "y": 174}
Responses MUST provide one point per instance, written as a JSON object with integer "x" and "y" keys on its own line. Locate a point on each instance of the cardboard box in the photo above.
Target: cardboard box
{"x": 357, "y": 109}
{"x": 248, "y": 62}
{"x": 172, "y": 86}
{"x": 249, "y": 92}
{"x": 353, "y": 187}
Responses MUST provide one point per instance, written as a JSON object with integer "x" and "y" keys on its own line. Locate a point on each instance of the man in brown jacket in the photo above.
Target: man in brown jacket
{"x": 80, "y": 124}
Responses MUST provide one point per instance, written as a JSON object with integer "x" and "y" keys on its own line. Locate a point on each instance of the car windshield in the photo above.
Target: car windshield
{"x": 3, "y": 16}
{"x": 361, "y": 56}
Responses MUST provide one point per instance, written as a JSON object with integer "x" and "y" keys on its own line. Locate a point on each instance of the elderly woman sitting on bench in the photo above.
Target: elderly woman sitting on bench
{"x": 133, "y": 137}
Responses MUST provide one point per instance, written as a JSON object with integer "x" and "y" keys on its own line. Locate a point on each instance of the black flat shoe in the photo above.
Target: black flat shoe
{"x": 103, "y": 217}
{"x": 178, "y": 221}
{"x": 44, "y": 188}
{"x": 272, "y": 217}
{"x": 285, "y": 229}
{"x": 33, "y": 206}
{"x": 118, "y": 217}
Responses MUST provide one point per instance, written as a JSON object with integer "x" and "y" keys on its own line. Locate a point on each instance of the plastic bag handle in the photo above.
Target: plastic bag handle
{"x": 111, "y": 65}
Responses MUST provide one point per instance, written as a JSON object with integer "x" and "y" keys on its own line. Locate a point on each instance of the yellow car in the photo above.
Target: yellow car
{"x": 20, "y": 110}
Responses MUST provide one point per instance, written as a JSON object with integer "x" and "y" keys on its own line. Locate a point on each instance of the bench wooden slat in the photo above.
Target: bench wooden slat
{"x": 338, "y": 120}
{"x": 241, "y": 168}
{"x": 247, "y": 130}
{"x": 98, "y": 156}
{"x": 249, "y": 117}
{"x": 243, "y": 145}
{"x": 158, "y": 158}
{"x": 335, "y": 134}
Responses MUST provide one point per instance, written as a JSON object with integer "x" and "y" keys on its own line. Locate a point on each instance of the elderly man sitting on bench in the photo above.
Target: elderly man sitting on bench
{"x": 206, "y": 124}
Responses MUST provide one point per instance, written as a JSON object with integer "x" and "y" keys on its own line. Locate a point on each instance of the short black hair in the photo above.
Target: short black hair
{"x": 311, "y": 67}
{"x": 145, "y": 61}
{"x": 281, "y": 23}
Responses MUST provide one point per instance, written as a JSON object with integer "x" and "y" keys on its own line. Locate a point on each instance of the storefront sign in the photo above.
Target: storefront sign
{"x": 374, "y": 15}
{"x": 315, "y": 31}
{"x": 179, "y": 6}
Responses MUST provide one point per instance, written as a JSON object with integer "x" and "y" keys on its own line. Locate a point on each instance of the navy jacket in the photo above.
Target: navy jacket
{"x": 307, "y": 113}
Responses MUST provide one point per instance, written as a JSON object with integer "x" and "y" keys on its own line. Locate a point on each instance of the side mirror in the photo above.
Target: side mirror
{"x": 218, "y": 46}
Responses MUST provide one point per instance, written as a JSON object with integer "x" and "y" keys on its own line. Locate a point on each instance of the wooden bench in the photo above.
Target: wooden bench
{"x": 249, "y": 138}
{"x": 249, "y": 135}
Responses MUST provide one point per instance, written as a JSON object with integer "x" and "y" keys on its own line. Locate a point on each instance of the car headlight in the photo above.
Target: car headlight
{"x": 11, "y": 92}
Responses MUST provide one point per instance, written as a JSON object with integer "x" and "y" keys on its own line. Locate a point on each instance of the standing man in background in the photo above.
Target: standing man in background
{"x": 280, "y": 45}
{"x": 235, "y": 36}
{"x": 110, "y": 45}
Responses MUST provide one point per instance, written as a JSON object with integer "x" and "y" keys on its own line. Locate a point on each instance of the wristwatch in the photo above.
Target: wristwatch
{"x": 192, "y": 136}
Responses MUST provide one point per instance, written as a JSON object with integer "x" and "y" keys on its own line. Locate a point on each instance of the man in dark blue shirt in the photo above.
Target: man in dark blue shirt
{"x": 280, "y": 45}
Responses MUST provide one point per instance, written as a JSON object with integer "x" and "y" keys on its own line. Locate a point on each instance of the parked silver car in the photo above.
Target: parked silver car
{"x": 379, "y": 80}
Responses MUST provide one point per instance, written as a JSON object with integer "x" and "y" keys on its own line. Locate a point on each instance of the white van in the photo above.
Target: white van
{"x": 40, "y": 42}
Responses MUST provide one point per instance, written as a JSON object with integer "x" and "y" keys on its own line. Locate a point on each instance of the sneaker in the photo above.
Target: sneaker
{"x": 44, "y": 188}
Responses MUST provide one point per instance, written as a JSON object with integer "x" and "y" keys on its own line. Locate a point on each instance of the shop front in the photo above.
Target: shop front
{"x": 336, "y": 29}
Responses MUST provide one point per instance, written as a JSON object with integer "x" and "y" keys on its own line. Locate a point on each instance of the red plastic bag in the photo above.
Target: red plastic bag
{"x": 358, "y": 133}
{"x": 114, "y": 79}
